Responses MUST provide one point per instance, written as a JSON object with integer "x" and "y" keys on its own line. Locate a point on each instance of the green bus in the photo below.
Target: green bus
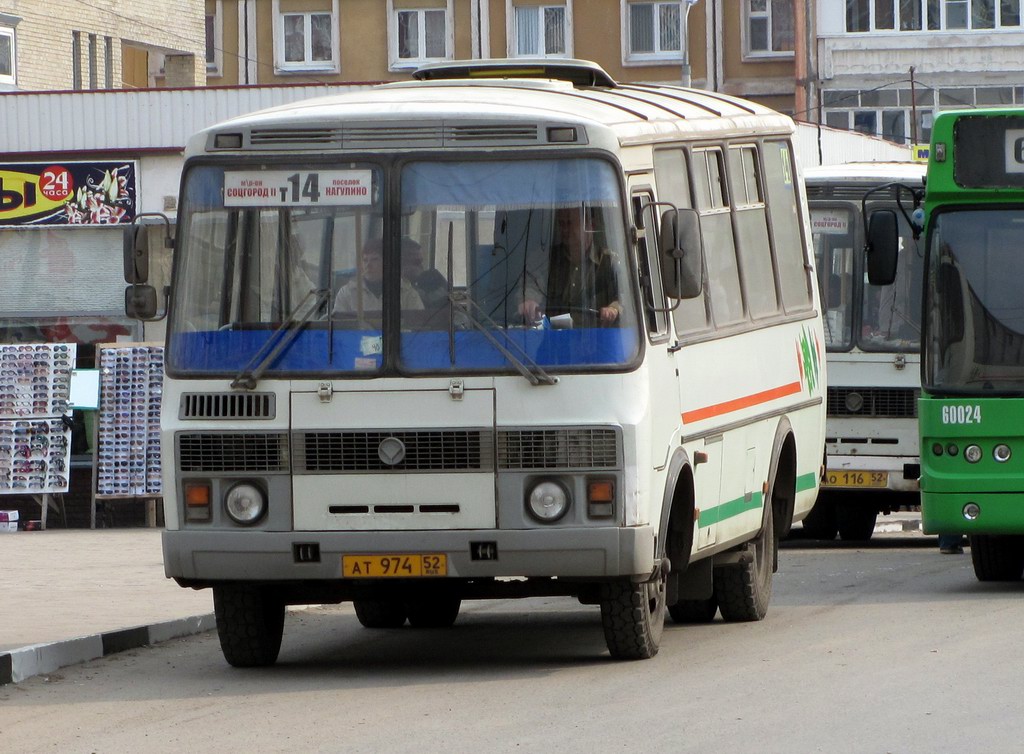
{"x": 971, "y": 410}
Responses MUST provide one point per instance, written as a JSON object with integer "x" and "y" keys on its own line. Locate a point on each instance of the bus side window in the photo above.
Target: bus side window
{"x": 650, "y": 270}
{"x": 673, "y": 180}
{"x": 716, "y": 224}
{"x": 752, "y": 243}
{"x": 782, "y": 196}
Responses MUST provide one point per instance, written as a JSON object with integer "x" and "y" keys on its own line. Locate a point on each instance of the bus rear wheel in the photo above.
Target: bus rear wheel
{"x": 633, "y": 616}
{"x": 250, "y": 624}
{"x": 380, "y": 613}
{"x": 856, "y": 521}
{"x": 821, "y": 521}
{"x": 745, "y": 588}
{"x": 433, "y": 612}
{"x": 694, "y": 611}
{"x": 997, "y": 558}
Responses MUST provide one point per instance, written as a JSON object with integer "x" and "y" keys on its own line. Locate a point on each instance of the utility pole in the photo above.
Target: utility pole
{"x": 687, "y": 4}
{"x": 913, "y": 109}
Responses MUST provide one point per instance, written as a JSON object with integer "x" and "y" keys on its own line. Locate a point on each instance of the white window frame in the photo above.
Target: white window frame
{"x": 647, "y": 58}
{"x": 748, "y": 51}
{"x": 8, "y": 31}
{"x": 943, "y": 22}
{"x": 396, "y": 63}
{"x": 216, "y": 66}
{"x": 511, "y": 8}
{"x": 281, "y": 66}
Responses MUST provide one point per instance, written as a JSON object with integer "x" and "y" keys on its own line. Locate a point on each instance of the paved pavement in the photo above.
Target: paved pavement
{"x": 71, "y": 595}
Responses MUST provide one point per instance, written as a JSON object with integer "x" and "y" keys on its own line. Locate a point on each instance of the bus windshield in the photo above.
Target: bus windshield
{"x": 486, "y": 266}
{"x": 869, "y": 317}
{"x": 975, "y": 310}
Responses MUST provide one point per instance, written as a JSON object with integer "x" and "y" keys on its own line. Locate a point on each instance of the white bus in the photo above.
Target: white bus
{"x": 508, "y": 330}
{"x": 872, "y": 336}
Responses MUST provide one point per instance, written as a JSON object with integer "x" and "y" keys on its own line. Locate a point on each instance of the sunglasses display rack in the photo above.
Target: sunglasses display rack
{"x": 128, "y": 426}
{"x": 35, "y": 426}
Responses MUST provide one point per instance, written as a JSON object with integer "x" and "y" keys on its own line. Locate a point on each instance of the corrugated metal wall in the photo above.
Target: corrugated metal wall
{"x": 126, "y": 120}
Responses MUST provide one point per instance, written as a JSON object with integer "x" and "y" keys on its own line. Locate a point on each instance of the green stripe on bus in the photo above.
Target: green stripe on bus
{"x": 742, "y": 505}
{"x": 806, "y": 481}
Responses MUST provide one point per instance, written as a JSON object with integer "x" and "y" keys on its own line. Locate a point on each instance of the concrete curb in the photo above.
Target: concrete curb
{"x": 18, "y": 664}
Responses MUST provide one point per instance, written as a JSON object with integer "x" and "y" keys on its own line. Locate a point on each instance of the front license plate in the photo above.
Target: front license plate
{"x": 857, "y": 479}
{"x": 396, "y": 566}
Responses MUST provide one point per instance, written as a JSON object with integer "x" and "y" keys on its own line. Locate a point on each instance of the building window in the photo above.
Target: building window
{"x": 419, "y": 35}
{"x": 304, "y": 41}
{"x": 214, "y": 37}
{"x": 76, "y": 60}
{"x": 93, "y": 73}
{"x": 108, "y": 63}
{"x": 769, "y": 27}
{"x": 655, "y": 30}
{"x": 540, "y": 30}
{"x": 934, "y": 15}
{"x": 8, "y": 67}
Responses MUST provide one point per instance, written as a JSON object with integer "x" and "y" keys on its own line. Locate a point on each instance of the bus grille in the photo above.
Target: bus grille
{"x": 227, "y": 406}
{"x": 424, "y": 450}
{"x": 894, "y": 403}
{"x": 212, "y": 452}
{"x": 850, "y": 192}
{"x": 568, "y": 448}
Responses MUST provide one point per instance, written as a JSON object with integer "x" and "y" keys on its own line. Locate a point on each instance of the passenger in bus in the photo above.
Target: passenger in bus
{"x": 364, "y": 294}
{"x": 581, "y": 277}
{"x": 430, "y": 284}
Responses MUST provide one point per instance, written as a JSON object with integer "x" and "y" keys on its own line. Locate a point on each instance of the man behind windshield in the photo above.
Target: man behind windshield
{"x": 582, "y": 280}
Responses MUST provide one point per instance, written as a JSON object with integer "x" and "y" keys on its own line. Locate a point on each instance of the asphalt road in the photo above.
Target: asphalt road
{"x": 883, "y": 647}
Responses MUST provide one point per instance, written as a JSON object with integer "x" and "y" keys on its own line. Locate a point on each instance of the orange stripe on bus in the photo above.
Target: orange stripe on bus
{"x": 738, "y": 403}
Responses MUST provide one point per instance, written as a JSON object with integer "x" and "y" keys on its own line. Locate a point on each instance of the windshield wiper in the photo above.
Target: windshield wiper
{"x": 525, "y": 365}
{"x": 280, "y": 340}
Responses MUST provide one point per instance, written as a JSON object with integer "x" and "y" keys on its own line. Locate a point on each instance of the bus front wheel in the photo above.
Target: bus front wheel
{"x": 380, "y": 613}
{"x": 633, "y": 616}
{"x": 997, "y": 558}
{"x": 250, "y": 624}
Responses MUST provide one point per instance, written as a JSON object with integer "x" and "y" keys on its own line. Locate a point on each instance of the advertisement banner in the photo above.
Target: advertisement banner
{"x": 67, "y": 193}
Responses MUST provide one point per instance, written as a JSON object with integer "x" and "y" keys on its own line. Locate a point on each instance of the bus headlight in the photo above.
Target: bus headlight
{"x": 1001, "y": 452}
{"x": 547, "y": 501}
{"x": 972, "y": 454}
{"x": 245, "y": 503}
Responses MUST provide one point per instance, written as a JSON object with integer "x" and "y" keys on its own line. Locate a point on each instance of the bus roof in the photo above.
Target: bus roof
{"x": 494, "y": 112}
{"x": 872, "y": 173}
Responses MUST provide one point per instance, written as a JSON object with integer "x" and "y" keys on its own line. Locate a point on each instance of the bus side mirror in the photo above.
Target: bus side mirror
{"x": 681, "y": 251}
{"x": 136, "y": 254}
{"x": 882, "y": 248}
{"x": 140, "y": 302}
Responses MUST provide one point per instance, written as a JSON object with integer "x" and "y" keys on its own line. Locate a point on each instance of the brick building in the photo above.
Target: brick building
{"x": 111, "y": 44}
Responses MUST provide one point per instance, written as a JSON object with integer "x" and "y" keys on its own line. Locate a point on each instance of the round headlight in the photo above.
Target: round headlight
{"x": 1001, "y": 452}
{"x": 548, "y": 501}
{"x": 245, "y": 503}
{"x": 972, "y": 453}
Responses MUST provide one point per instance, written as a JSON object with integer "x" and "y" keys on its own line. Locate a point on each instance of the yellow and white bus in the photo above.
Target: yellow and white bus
{"x": 873, "y": 342}
{"x": 510, "y": 329}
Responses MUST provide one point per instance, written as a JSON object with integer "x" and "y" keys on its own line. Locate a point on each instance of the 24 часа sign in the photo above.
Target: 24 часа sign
{"x": 67, "y": 193}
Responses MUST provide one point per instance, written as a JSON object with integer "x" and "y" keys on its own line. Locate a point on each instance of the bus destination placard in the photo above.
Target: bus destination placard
{"x": 298, "y": 188}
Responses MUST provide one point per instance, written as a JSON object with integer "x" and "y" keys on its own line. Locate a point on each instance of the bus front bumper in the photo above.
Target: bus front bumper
{"x": 997, "y": 513}
{"x": 213, "y": 556}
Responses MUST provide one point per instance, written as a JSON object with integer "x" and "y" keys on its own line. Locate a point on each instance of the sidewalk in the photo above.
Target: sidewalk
{"x": 71, "y": 595}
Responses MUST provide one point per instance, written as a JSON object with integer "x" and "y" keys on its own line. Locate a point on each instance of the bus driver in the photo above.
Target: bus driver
{"x": 581, "y": 275}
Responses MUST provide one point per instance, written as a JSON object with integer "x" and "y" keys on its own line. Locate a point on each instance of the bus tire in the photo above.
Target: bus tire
{"x": 744, "y": 589}
{"x": 250, "y": 624}
{"x": 694, "y": 611}
{"x": 997, "y": 558}
{"x": 380, "y": 613}
{"x": 433, "y": 612}
{"x": 633, "y": 617}
{"x": 856, "y": 521}
{"x": 821, "y": 523}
